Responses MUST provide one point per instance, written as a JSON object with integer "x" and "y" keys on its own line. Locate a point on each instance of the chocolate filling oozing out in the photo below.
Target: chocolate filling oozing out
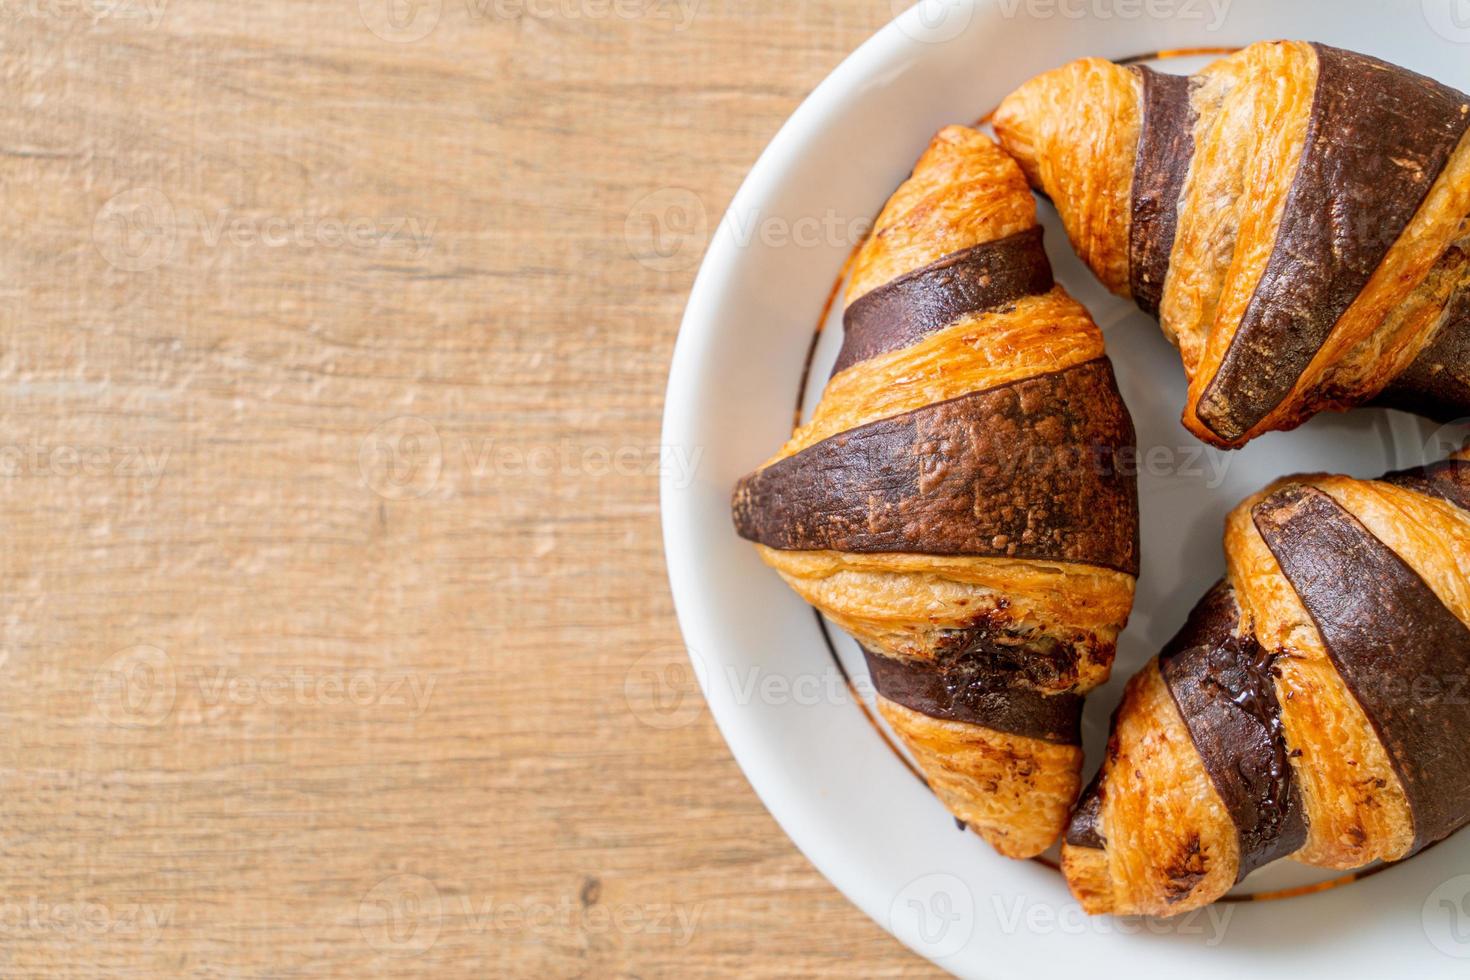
{"x": 978, "y": 688}
{"x": 1222, "y": 681}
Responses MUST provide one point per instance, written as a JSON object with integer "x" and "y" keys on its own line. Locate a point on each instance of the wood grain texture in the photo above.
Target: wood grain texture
{"x": 337, "y": 641}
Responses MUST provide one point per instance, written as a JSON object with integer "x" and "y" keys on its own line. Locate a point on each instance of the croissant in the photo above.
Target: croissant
{"x": 1314, "y": 705}
{"x": 1294, "y": 214}
{"x": 961, "y": 500}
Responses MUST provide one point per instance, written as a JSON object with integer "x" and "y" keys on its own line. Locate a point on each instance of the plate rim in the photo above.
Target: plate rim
{"x": 894, "y": 43}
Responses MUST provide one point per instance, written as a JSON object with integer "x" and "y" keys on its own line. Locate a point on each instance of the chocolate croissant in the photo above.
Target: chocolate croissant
{"x": 1294, "y": 214}
{"x": 961, "y": 501}
{"x": 1315, "y": 705}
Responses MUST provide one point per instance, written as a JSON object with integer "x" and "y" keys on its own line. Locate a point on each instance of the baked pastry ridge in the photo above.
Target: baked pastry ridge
{"x": 1313, "y": 706}
{"x": 961, "y": 501}
{"x": 1298, "y": 217}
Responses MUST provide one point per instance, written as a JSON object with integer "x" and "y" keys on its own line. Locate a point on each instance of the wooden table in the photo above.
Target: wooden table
{"x": 336, "y": 638}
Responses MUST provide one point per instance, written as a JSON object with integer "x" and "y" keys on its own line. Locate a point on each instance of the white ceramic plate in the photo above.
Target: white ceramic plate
{"x": 801, "y": 734}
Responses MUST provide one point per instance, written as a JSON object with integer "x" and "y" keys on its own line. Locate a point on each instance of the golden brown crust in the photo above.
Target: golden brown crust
{"x": 1038, "y": 335}
{"x": 1371, "y": 364}
{"x": 1430, "y": 534}
{"x": 1356, "y": 808}
{"x": 1048, "y": 626}
{"x": 1074, "y": 131}
{"x": 1170, "y": 844}
{"x": 1086, "y": 871}
{"x": 905, "y": 605}
{"x": 1014, "y": 791}
{"x": 1239, "y": 229}
{"x": 1235, "y": 198}
{"x": 964, "y": 190}
{"x": 1372, "y": 343}
{"x": 1162, "y": 840}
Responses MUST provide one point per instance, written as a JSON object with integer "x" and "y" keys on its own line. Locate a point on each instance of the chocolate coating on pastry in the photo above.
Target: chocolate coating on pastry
{"x": 1082, "y": 828}
{"x": 1436, "y": 384}
{"x": 1029, "y": 469}
{"x": 978, "y": 689}
{"x": 1377, "y": 139}
{"x": 988, "y": 276}
{"x": 1448, "y": 480}
{"x": 1221, "y": 679}
{"x": 1165, "y": 149}
{"x": 1404, "y": 656}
